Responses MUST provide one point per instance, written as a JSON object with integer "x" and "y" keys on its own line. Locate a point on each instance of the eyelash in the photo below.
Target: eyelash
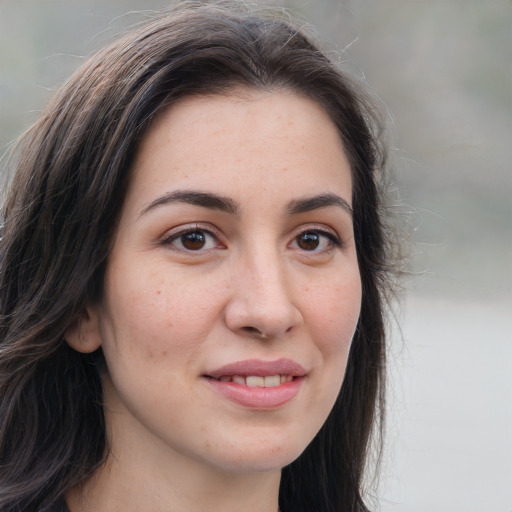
{"x": 333, "y": 239}
{"x": 168, "y": 241}
{"x": 172, "y": 237}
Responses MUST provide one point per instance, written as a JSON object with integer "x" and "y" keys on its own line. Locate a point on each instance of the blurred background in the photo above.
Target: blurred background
{"x": 443, "y": 72}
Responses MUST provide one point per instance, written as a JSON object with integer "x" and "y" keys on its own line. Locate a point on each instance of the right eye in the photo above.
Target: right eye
{"x": 192, "y": 240}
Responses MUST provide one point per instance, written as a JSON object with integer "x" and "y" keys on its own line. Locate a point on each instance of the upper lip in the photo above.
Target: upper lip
{"x": 259, "y": 368}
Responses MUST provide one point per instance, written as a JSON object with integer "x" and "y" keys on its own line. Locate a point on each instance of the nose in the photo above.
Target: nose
{"x": 262, "y": 302}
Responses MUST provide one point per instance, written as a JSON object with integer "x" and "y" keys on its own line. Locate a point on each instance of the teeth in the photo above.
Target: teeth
{"x": 272, "y": 381}
{"x": 254, "y": 381}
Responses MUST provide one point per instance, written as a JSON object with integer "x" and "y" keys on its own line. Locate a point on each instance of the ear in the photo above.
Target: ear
{"x": 84, "y": 334}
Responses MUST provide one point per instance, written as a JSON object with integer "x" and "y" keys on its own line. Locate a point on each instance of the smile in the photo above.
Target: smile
{"x": 258, "y": 384}
{"x": 256, "y": 381}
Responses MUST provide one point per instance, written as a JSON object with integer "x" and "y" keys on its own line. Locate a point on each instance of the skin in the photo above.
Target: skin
{"x": 170, "y": 314}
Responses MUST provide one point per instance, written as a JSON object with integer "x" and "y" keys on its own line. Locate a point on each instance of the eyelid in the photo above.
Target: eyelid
{"x": 334, "y": 241}
{"x": 327, "y": 231}
{"x": 174, "y": 233}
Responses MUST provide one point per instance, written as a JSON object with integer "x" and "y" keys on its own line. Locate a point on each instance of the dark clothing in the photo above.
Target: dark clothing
{"x": 60, "y": 506}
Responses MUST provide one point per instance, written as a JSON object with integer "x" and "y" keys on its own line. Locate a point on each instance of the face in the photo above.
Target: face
{"x": 232, "y": 291}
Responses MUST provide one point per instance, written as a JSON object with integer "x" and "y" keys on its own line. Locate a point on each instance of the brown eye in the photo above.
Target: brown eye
{"x": 193, "y": 240}
{"x": 308, "y": 240}
{"x": 316, "y": 240}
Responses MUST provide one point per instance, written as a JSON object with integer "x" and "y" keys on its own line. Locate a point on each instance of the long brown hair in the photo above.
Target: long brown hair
{"x": 60, "y": 216}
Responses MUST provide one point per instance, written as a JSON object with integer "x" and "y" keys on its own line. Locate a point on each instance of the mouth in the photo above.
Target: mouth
{"x": 258, "y": 384}
{"x": 259, "y": 368}
{"x": 257, "y": 381}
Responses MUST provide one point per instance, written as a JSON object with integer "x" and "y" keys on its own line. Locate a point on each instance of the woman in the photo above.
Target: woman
{"x": 192, "y": 276}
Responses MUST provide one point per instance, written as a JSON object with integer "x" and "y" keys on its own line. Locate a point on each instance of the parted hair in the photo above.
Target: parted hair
{"x": 59, "y": 217}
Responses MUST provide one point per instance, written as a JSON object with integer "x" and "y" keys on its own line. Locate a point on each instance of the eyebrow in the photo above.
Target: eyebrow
{"x": 228, "y": 205}
{"x": 204, "y": 199}
{"x": 308, "y": 204}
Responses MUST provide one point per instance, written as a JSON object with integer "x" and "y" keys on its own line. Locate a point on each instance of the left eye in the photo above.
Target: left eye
{"x": 192, "y": 240}
{"x": 314, "y": 240}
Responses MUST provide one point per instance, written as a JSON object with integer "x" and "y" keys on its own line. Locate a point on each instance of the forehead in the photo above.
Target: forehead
{"x": 228, "y": 143}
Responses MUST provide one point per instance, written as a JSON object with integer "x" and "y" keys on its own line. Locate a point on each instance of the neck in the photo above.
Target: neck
{"x": 144, "y": 474}
{"x": 113, "y": 490}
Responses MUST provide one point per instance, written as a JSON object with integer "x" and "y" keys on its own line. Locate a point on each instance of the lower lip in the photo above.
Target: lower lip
{"x": 258, "y": 398}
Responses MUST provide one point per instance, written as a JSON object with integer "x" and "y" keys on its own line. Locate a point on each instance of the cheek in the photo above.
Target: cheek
{"x": 333, "y": 308}
{"x": 333, "y": 311}
{"x": 157, "y": 314}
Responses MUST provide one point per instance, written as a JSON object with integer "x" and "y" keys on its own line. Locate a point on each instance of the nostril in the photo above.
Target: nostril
{"x": 255, "y": 332}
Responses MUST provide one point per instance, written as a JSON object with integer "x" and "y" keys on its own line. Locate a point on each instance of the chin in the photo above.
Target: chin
{"x": 266, "y": 463}
{"x": 261, "y": 455}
